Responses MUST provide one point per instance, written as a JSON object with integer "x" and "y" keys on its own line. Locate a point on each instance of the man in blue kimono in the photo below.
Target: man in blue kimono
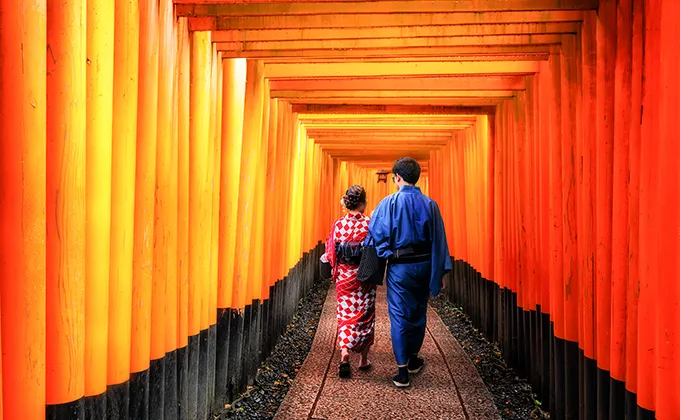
{"x": 408, "y": 231}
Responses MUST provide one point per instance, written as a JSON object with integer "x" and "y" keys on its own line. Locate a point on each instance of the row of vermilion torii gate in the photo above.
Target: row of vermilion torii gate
{"x": 563, "y": 216}
{"x": 161, "y": 216}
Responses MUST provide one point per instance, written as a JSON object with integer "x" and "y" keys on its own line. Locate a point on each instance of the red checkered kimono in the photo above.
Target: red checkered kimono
{"x": 356, "y": 301}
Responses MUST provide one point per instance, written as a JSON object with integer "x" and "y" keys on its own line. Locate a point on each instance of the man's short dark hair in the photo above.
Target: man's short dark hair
{"x": 408, "y": 169}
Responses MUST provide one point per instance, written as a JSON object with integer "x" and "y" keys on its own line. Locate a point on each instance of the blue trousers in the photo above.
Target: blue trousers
{"x": 408, "y": 292}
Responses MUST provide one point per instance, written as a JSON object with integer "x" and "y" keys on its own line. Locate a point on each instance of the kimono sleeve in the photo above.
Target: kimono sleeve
{"x": 329, "y": 255}
{"x": 441, "y": 259}
{"x": 380, "y": 228}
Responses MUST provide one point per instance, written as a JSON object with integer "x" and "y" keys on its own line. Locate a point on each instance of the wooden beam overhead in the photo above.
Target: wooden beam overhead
{"x": 395, "y": 122}
{"x": 304, "y": 117}
{"x": 235, "y": 35}
{"x": 401, "y": 139}
{"x": 351, "y": 142}
{"x": 287, "y": 7}
{"x": 383, "y": 136}
{"x": 391, "y": 109}
{"x": 392, "y": 53}
{"x": 340, "y": 44}
{"x": 386, "y": 164}
{"x": 388, "y": 159}
{"x": 413, "y": 84}
{"x": 359, "y": 151}
{"x": 341, "y": 138}
{"x": 397, "y": 127}
{"x": 364, "y": 149}
{"x": 209, "y": 18}
{"x": 312, "y": 127}
{"x": 297, "y": 94}
{"x": 428, "y": 68}
{"x": 387, "y": 128}
{"x": 312, "y": 61}
{"x": 401, "y": 101}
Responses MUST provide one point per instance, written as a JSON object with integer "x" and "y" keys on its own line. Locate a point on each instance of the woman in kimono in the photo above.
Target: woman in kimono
{"x": 356, "y": 300}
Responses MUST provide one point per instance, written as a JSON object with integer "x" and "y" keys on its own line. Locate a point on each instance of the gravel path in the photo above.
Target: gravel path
{"x": 279, "y": 370}
{"x": 512, "y": 395}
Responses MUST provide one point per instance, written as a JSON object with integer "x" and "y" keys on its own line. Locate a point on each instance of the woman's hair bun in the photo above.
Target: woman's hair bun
{"x": 354, "y": 197}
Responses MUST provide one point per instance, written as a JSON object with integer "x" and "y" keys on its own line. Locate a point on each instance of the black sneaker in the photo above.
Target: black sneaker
{"x": 415, "y": 364}
{"x": 401, "y": 380}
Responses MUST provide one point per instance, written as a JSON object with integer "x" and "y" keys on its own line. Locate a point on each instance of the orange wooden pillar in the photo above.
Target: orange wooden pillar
{"x": 125, "y": 94}
{"x": 214, "y": 157}
{"x": 163, "y": 317}
{"x": 269, "y": 232}
{"x": 66, "y": 190}
{"x": 556, "y": 230}
{"x": 570, "y": 281}
{"x": 288, "y": 130}
{"x": 293, "y": 128}
{"x": 183, "y": 171}
{"x": 243, "y": 285}
{"x": 543, "y": 168}
{"x": 634, "y": 203}
{"x": 606, "y": 59}
{"x": 100, "y": 52}
{"x": 298, "y": 179}
{"x": 308, "y": 196}
{"x": 233, "y": 91}
{"x": 23, "y": 207}
{"x": 497, "y": 203}
{"x": 447, "y": 204}
{"x": 172, "y": 309}
{"x": 544, "y": 96}
{"x": 513, "y": 209}
{"x": 531, "y": 109}
{"x": 247, "y": 182}
{"x": 620, "y": 205}
{"x": 650, "y": 227}
{"x": 286, "y": 135}
{"x": 522, "y": 153}
{"x": 306, "y": 193}
{"x": 487, "y": 132}
{"x": 587, "y": 235}
{"x": 504, "y": 281}
{"x": 217, "y": 184}
{"x": 256, "y": 269}
{"x": 200, "y": 205}
{"x": 145, "y": 186}
{"x": 668, "y": 302}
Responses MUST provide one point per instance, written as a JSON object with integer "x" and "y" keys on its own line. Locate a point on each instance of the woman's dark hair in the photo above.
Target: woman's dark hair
{"x": 408, "y": 169}
{"x": 354, "y": 197}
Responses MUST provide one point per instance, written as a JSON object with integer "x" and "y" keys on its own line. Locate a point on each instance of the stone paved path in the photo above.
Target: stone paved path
{"x": 448, "y": 387}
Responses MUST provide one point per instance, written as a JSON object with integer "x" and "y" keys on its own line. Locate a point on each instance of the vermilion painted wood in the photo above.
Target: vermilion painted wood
{"x": 66, "y": 191}
{"x": 23, "y": 207}
{"x": 668, "y": 336}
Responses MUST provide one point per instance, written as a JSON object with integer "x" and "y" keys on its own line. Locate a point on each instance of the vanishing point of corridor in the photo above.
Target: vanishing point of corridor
{"x": 170, "y": 169}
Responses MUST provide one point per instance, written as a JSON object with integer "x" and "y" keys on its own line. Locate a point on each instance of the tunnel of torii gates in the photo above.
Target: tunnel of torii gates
{"x": 168, "y": 173}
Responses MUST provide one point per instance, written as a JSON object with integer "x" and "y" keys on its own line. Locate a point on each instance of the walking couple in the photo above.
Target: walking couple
{"x": 407, "y": 230}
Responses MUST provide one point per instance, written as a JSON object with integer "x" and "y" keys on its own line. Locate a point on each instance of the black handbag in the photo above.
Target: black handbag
{"x": 371, "y": 267}
{"x": 325, "y": 270}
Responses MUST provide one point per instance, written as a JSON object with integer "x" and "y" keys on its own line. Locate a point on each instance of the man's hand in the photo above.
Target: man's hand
{"x": 443, "y": 283}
